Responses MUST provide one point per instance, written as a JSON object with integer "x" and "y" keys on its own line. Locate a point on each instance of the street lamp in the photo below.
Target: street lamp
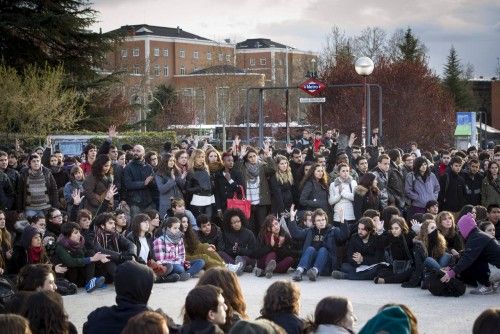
{"x": 364, "y": 67}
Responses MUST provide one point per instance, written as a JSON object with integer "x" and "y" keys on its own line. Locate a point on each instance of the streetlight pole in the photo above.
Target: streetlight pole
{"x": 364, "y": 67}
{"x": 287, "y": 99}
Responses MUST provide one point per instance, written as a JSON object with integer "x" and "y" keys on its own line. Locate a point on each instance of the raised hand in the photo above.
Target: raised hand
{"x": 60, "y": 269}
{"x": 112, "y": 133}
{"x": 352, "y": 139}
{"x": 289, "y": 148}
{"x": 77, "y": 198}
{"x": 110, "y": 194}
{"x": 293, "y": 212}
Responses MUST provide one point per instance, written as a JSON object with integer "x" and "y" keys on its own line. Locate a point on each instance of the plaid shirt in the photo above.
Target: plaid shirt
{"x": 168, "y": 252}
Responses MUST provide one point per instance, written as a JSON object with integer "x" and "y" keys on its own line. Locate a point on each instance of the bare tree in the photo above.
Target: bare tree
{"x": 371, "y": 43}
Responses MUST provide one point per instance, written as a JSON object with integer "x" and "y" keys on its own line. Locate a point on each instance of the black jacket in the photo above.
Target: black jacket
{"x": 224, "y": 190}
{"x": 361, "y": 203}
{"x": 473, "y": 184}
{"x": 396, "y": 186}
{"x": 452, "y": 192}
{"x": 281, "y": 194}
{"x": 214, "y": 238}
{"x": 198, "y": 182}
{"x": 243, "y": 239}
{"x": 134, "y": 175}
{"x": 290, "y": 322}
{"x": 201, "y": 327}
{"x": 370, "y": 251}
{"x": 135, "y": 240}
{"x": 118, "y": 247}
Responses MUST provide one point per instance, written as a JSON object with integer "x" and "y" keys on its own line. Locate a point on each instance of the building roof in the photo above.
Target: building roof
{"x": 220, "y": 69}
{"x": 260, "y": 43}
{"x": 145, "y": 29}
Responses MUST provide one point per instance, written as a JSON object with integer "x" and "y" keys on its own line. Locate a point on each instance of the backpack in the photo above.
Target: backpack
{"x": 7, "y": 291}
{"x": 65, "y": 287}
{"x": 453, "y": 288}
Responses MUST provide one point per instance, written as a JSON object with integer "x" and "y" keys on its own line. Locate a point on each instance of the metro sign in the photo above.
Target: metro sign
{"x": 312, "y": 87}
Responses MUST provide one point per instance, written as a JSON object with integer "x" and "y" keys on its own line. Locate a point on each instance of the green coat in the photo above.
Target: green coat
{"x": 212, "y": 259}
{"x": 71, "y": 259}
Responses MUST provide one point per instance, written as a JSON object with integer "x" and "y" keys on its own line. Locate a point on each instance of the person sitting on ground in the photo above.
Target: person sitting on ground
{"x": 318, "y": 255}
{"x": 363, "y": 250}
{"x": 5, "y": 245}
{"x": 108, "y": 241}
{"x": 231, "y": 291}
{"x": 131, "y": 299}
{"x": 204, "y": 310}
{"x": 488, "y": 227}
{"x": 212, "y": 234}
{"x": 479, "y": 251}
{"x": 333, "y": 315}
{"x": 14, "y": 324}
{"x": 169, "y": 248}
{"x": 389, "y": 320}
{"x": 282, "y": 306}
{"x": 239, "y": 240}
{"x": 147, "y": 322}
{"x": 71, "y": 251}
{"x": 446, "y": 225}
{"x": 487, "y": 322}
{"x": 36, "y": 277}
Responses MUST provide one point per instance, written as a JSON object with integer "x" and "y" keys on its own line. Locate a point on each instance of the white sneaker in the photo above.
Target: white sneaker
{"x": 495, "y": 280}
{"x": 235, "y": 268}
{"x": 483, "y": 290}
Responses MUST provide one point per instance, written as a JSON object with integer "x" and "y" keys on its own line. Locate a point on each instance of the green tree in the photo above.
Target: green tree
{"x": 36, "y": 101}
{"x": 411, "y": 48}
{"x": 165, "y": 108}
{"x": 455, "y": 82}
{"x": 53, "y": 32}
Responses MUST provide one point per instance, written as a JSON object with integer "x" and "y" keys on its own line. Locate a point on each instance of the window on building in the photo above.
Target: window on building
{"x": 165, "y": 71}
{"x": 157, "y": 70}
{"x": 165, "y": 52}
{"x": 136, "y": 70}
{"x": 195, "y": 69}
{"x": 252, "y": 61}
{"x": 228, "y": 58}
{"x": 157, "y": 52}
{"x": 195, "y": 54}
{"x": 188, "y": 92}
{"x": 221, "y": 57}
{"x": 124, "y": 53}
{"x": 183, "y": 70}
{"x": 135, "y": 52}
{"x": 209, "y": 55}
{"x": 182, "y": 53}
{"x": 263, "y": 61}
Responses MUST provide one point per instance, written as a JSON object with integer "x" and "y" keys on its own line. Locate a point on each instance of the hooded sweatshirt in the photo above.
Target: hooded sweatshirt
{"x": 131, "y": 299}
{"x": 390, "y": 320}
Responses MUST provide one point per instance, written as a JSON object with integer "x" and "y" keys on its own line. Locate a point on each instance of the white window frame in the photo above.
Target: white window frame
{"x": 124, "y": 53}
{"x": 135, "y": 52}
{"x": 262, "y": 61}
{"x": 221, "y": 57}
{"x": 196, "y": 55}
{"x": 165, "y": 52}
{"x": 252, "y": 61}
{"x": 156, "y": 52}
{"x": 182, "y": 53}
{"x": 182, "y": 70}
{"x": 228, "y": 58}
{"x": 209, "y": 55}
{"x": 156, "y": 70}
{"x": 165, "y": 71}
{"x": 136, "y": 70}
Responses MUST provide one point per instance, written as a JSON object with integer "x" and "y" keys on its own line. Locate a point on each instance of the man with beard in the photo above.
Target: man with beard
{"x": 362, "y": 251}
{"x": 138, "y": 177}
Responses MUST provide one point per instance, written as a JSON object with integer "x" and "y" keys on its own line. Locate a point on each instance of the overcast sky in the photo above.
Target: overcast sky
{"x": 472, "y": 26}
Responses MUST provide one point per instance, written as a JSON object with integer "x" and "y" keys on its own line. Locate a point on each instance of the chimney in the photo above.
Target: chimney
{"x": 178, "y": 30}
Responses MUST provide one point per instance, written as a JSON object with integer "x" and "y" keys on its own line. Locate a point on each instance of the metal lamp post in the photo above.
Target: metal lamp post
{"x": 364, "y": 67}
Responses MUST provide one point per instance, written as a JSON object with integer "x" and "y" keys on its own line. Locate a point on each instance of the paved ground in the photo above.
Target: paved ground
{"x": 435, "y": 314}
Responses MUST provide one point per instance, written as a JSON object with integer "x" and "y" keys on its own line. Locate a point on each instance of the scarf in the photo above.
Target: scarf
{"x": 252, "y": 172}
{"x": 174, "y": 238}
{"x": 107, "y": 240}
{"x": 55, "y": 169}
{"x": 214, "y": 167}
{"x": 34, "y": 254}
{"x": 69, "y": 244}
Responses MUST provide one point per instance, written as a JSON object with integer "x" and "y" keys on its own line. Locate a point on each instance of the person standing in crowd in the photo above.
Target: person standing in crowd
{"x": 305, "y": 141}
{"x": 153, "y": 159}
{"x": 97, "y": 183}
{"x": 168, "y": 183}
{"x": 11, "y": 172}
{"x": 441, "y": 167}
{"x": 452, "y": 194}
{"x": 314, "y": 190}
{"x": 228, "y": 182}
{"x": 396, "y": 181}
{"x": 37, "y": 189}
{"x": 181, "y": 166}
{"x": 255, "y": 175}
{"x": 421, "y": 186}
{"x": 381, "y": 172}
{"x": 342, "y": 195}
{"x": 473, "y": 182}
{"x": 90, "y": 154}
{"x": 366, "y": 195}
{"x": 480, "y": 249}
{"x": 490, "y": 190}
{"x": 281, "y": 184}
{"x": 76, "y": 179}
{"x": 137, "y": 177}
{"x": 199, "y": 184}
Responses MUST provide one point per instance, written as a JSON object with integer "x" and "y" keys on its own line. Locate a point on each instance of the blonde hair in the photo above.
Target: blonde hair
{"x": 283, "y": 177}
{"x": 194, "y": 155}
{"x": 438, "y": 250}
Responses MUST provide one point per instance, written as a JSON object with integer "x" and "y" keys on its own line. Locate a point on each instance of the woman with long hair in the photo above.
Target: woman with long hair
{"x": 342, "y": 195}
{"x": 282, "y": 306}
{"x": 445, "y": 222}
{"x": 199, "y": 184}
{"x": 333, "y": 315}
{"x": 214, "y": 161}
{"x": 231, "y": 291}
{"x": 181, "y": 167}
{"x": 429, "y": 251}
{"x": 168, "y": 182}
{"x": 281, "y": 184}
{"x": 421, "y": 186}
{"x": 76, "y": 178}
{"x": 366, "y": 195}
{"x": 97, "y": 183}
{"x": 5, "y": 245}
{"x": 154, "y": 222}
{"x": 275, "y": 245}
{"x": 314, "y": 193}
{"x": 490, "y": 190}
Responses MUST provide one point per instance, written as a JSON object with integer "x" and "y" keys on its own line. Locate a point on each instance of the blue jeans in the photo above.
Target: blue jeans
{"x": 196, "y": 266}
{"x": 431, "y": 263}
{"x": 314, "y": 258}
{"x": 350, "y": 270}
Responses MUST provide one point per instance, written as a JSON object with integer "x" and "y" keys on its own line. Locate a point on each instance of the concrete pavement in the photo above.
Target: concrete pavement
{"x": 435, "y": 314}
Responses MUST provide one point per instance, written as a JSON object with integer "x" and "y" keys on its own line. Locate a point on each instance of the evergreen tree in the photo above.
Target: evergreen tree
{"x": 410, "y": 47}
{"x": 455, "y": 83}
{"x": 53, "y": 32}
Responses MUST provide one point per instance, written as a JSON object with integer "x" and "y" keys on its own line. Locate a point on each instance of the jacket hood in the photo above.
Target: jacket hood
{"x": 466, "y": 224}
{"x": 360, "y": 190}
{"x": 28, "y": 234}
{"x": 133, "y": 283}
{"x": 389, "y": 320}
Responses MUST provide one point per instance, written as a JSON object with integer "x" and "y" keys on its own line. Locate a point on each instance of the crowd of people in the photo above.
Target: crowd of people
{"x": 313, "y": 209}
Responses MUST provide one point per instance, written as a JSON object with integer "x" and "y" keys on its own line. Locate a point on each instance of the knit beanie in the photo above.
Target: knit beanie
{"x": 392, "y": 320}
{"x": 28, "y": 234}
{"x": 466, "y": 224}
{"x": 142, "y": 278}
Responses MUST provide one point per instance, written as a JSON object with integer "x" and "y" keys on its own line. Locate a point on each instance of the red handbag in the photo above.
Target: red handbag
{"x": 243, "y": 204}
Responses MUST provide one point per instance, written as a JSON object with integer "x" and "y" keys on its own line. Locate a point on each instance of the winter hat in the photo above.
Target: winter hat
{"x": 28, "y": 234}
{"x": 392, "y": 320}
{"x": 466, "y": 224}
{"x": 127, "y": 147}
{"x": 141, "y": 276}
{"x": 259, "y": 326}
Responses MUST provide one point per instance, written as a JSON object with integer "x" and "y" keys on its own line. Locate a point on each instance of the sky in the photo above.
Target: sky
{"x": 471, "y": 26}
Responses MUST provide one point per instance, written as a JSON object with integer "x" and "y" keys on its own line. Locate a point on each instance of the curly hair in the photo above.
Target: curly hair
{"x": 310, "y": 175}
{"x": 191, "y": 241}
{"x": 450, "y": 232}
{"x": 231, "y": 213}
{"x": 49, "y": 315}
{"x": 439, "y": 248}
{"x": 231, "y": 291}
{"x": 281, "y": 296}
